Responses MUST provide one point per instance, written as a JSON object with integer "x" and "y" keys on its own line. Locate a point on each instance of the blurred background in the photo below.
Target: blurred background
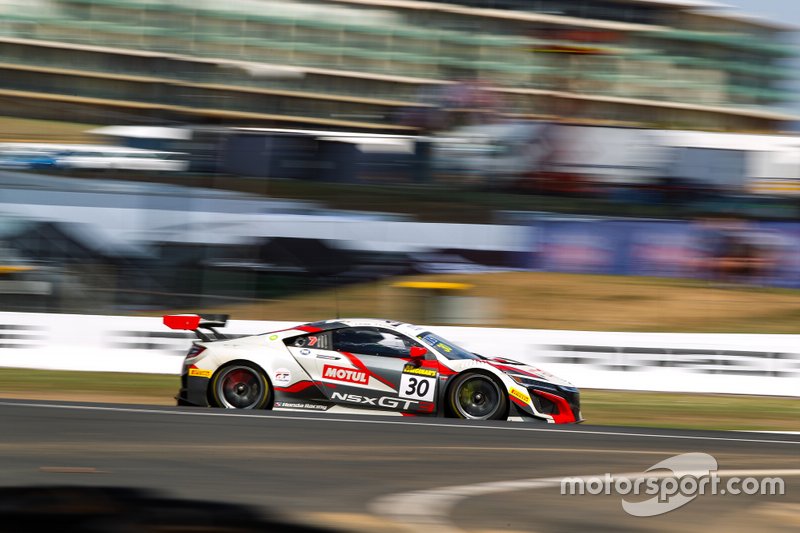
{"x": 605, "y": 165}
{"x": 471, "y": 162}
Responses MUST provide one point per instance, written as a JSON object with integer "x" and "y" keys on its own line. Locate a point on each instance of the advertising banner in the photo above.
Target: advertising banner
{"x": 757, "y": 253}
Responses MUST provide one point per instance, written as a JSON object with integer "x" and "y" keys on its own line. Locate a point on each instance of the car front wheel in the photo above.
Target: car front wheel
{"x": 240, "y": 386}
{"x": 477, "y": 397}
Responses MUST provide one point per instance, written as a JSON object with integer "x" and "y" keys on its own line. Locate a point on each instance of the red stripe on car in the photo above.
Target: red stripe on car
{"x": 514, "y": 369}
{"x": 439, "y": 367}
{"x": 427, "y": 407}
{"x": 361, "y": 366}
{"x": 297, "y": 387}
{"x": 564, "y": 415}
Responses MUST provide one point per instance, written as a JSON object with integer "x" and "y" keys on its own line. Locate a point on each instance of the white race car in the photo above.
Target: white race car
{"x": 382, "y": 365}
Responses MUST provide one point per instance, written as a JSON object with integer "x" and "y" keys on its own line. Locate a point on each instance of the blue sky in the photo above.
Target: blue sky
{"x": 780, "y": 10}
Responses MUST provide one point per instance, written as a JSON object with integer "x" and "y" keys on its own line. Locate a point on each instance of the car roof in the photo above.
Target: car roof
{"x": 402, "y": 327}
{"x": 326, "y": 325}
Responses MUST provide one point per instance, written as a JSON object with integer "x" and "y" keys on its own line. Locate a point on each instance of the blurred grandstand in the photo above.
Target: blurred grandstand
{"x": 392, "y": 66}
{"x": 390, "y": 120}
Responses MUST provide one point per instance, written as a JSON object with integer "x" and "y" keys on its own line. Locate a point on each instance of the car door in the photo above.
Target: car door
{"x": 379, "y": 373}
{"x": 330, "y": 369}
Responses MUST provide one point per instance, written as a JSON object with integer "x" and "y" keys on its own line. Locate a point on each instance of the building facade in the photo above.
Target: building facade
{"x": 394, "y": 65}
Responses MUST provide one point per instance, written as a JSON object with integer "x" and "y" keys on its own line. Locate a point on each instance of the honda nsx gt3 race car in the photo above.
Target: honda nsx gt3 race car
{"x": 380, "y": 365}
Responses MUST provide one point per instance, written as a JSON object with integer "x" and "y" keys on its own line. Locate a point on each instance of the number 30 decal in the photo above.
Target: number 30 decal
{"x": 417, "y": 387}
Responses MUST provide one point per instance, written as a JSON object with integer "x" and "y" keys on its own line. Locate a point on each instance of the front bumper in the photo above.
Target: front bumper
{"x": 563, "y": 404}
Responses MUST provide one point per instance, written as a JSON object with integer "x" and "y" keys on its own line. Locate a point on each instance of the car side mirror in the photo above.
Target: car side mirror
{"x": 418, "y": 352}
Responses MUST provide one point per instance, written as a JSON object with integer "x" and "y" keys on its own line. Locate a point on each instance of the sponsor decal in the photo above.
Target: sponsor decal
{"x": 519, "y": 395}
{"x": 331, "y": 357}
{"x": 418, "y": 387}
{"x": 383, "y": 401}
{"x": 283, "y": 376}
{"x": 300, "y": 405}
{"x": 273, "y": 337}
{"x": 349, "y": 375}
{"x": 200, "y": 373}
{"x": 305, "y": 351}
{"x": 411, "y": 369}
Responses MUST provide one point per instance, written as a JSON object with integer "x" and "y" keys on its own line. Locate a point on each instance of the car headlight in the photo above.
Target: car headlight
{"x": 528, "y": 381}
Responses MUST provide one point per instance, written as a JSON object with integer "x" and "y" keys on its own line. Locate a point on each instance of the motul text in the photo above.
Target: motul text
{"x": 345, "y": 374}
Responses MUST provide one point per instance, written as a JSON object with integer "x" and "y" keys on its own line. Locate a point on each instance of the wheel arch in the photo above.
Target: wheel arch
{"x": 243, "y": 362}
{"x": 490, "y": 372}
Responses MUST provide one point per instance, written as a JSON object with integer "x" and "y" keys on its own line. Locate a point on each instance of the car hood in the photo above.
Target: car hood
{"x": 508, "y": 366}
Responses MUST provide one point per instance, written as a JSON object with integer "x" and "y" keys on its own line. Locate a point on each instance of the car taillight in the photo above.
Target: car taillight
{"x": 195, "y": 350}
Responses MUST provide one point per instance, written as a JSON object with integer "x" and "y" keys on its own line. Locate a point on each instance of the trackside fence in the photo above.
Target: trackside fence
{"x": 671, "y": 362}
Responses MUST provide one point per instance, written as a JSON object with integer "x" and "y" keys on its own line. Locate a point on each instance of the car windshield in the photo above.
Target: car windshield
{"x": 445, "y": 347}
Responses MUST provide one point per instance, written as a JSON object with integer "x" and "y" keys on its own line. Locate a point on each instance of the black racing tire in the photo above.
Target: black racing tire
{"x": 477, "y": 396}
{"x": 240, "y": 385}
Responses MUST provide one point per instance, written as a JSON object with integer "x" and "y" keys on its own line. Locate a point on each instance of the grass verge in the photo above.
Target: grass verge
{"x": 620, "y": 408}
{"x": 115, "y": 387}
{"x": 547, "y": 300}
{"x": 690, "y": 411}
{"x": 13, "y": 129}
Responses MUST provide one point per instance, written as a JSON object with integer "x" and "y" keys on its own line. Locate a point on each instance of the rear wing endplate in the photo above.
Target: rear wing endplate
{"x": 197, "y": 323}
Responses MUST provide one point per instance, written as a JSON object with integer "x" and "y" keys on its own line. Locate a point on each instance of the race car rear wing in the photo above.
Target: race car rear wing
{"x": 197, "y": 323}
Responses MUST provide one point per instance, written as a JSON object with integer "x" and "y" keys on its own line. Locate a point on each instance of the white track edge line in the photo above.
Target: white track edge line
{"x": 390, "y": 422}
{"x": 433, "y": 506}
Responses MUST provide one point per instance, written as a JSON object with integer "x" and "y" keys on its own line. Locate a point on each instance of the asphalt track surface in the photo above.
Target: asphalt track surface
{"x": 369, "y": 473}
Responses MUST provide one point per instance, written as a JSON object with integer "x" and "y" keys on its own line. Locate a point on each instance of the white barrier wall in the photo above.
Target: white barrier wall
{"x": 673, "y": 362}
{"x": 715, "y": 363}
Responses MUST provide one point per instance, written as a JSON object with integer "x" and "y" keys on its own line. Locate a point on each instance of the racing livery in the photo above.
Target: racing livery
{"x": 381, "y": 365}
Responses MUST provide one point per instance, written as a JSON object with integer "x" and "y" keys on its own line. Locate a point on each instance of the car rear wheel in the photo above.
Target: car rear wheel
{"x": 240, "y": 386}
{"x": 478, "y": 397}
